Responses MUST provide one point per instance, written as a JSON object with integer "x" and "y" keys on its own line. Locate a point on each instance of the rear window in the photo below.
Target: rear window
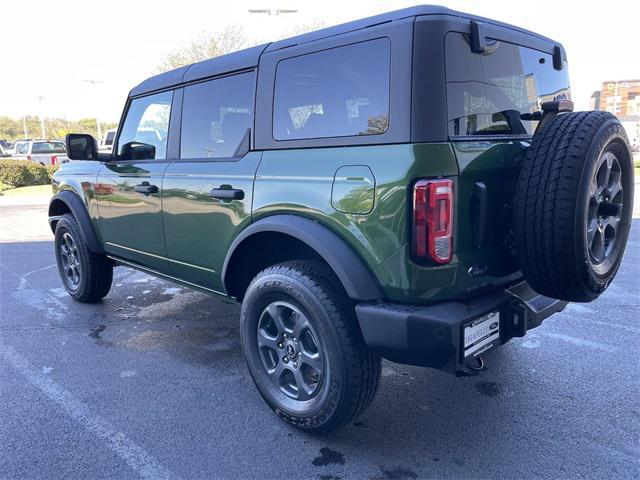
{"x": 487, "y": 93}
{"x": 109, "y": 138}
{"x": 339, "y": 92}
{"x": 48, "y": 147}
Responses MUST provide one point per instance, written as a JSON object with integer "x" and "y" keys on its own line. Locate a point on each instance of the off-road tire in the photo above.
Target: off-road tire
{"x": 351, "y": 373}
{"x": 554, "y": 203}
{"x": 95, "y": 270}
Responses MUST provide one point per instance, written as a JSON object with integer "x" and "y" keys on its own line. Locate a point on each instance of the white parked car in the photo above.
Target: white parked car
{"x": 106, "y": 142}
{"x": 44, "y": 152}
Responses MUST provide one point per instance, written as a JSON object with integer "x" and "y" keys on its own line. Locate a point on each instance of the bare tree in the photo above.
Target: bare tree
{"x": 219, "y": 43}
{"x": 206, "y": 46}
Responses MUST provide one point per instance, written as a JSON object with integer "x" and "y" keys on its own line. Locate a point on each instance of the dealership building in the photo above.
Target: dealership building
{"x": 622, "y": 98}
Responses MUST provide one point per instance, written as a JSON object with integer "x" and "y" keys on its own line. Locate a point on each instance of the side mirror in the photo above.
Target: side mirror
{"x": 81, "y": 146}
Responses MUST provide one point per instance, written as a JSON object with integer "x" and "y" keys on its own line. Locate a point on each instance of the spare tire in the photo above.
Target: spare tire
{"x": 573, "y": 205}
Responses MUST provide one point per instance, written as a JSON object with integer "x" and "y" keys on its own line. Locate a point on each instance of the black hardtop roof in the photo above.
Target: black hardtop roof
{"x": 249, "y": 57}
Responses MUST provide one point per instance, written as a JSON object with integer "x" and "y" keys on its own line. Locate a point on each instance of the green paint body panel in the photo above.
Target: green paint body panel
{"x": 198, "y": 228}
{"x": 131, "y": 222}
{"x": 363, "y": 194}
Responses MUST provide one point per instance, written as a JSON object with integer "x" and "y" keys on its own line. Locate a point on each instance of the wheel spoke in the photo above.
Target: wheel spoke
{"x": 265, "y": 340}
{"x": 593, "y": 188}
{"x": 275, "y": 312}
{"x": 608, "y": 164}
{"x": 612, "y": 222}
{"x": 615, "y": 188}
{"x": 304, "y": 390}
{"x": 597, "y": 248}
{"x": 277, "y": 371}
{"x": 312, "y": 360}
{"x": 300, "y": 326}
{"x": 591, "y": 231}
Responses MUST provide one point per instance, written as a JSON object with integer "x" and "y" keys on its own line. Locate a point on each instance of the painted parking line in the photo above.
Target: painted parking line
{"x": 581, "y": 342}
{"x": 144, "y": 464}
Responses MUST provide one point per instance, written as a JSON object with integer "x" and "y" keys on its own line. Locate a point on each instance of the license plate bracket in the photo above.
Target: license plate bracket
{"x": 481, "y": 334}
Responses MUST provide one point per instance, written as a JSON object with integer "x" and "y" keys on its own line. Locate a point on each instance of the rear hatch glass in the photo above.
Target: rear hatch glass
{"x": 486, "y": 94}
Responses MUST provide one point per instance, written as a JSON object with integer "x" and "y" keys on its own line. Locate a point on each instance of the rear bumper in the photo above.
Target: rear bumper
{"x": 432, "y": 336}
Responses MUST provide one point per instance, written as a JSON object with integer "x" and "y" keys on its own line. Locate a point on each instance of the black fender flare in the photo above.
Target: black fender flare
{"x": 357, "y": 279}
{"x": 79, "y": 210}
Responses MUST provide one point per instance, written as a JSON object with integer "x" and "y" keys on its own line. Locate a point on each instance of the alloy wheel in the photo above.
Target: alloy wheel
{"x": 290, "y": 350}
{"x": 70, "y": 257}
{"x": 605, "y": 208}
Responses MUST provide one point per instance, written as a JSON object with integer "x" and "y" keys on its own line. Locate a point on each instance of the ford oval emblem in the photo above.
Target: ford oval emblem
{"x": 493, "y": 326}
{"x": 477, "y": 270}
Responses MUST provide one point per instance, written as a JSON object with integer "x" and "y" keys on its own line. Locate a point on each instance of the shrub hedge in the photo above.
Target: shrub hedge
{"x": 22, "y": 173}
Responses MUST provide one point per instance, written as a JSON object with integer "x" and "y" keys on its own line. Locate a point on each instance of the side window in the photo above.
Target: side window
{"x": 216, "y": 116}
{"x": 339, "y": 92}
{"x": 145, "y": 128}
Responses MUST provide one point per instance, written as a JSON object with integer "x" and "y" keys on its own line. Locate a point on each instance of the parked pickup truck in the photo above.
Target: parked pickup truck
{"x": 44, "y": 152}
{"x": 413, "y": 186}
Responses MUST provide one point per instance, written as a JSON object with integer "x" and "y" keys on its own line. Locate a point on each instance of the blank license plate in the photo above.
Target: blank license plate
{"x": 481, "y": 334}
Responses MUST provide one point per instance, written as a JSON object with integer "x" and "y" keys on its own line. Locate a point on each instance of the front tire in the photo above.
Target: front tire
{"x": 86, "y": 276}
{"x": 304, "y": 348}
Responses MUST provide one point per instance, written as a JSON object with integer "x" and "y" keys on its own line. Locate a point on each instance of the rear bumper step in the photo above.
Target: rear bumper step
{"x": 433, "y": 336}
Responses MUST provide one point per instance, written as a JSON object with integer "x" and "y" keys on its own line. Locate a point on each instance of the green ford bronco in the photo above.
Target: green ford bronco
{"x": 412, "y": 186}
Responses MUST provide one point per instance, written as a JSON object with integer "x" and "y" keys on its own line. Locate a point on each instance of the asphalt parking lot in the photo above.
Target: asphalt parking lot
{"x": 152, "y": 383}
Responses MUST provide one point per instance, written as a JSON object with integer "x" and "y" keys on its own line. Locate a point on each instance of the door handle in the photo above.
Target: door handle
{"x": 226, "y": 192}
{"x": 146, "y": 188}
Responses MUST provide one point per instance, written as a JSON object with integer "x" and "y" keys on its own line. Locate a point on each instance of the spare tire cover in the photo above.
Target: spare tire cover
{"x": 573, "y": 205}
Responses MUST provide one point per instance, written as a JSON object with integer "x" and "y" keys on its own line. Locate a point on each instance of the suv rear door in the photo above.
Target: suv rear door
{"x": 129, "y": 187}
{"x": 208, "y": 191}
{"x": 486, "y": 95}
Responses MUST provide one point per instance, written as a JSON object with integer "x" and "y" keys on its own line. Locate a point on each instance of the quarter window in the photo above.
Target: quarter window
{"x": 145, "y": 128}
{"x": 217, "y": 116}
{"x": 333, "y": 93}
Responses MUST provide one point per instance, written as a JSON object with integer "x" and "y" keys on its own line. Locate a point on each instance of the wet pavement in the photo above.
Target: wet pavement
{"x": 152, "y": 383}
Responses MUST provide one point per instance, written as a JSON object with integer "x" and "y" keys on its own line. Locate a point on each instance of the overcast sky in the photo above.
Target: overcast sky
{"x": 49, "y": 47}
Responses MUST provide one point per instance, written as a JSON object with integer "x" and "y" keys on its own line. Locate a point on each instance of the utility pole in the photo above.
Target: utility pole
{"x": 94, "y": 83}
{"x": 42, "y": 129}
{"x": 24, "y": 126}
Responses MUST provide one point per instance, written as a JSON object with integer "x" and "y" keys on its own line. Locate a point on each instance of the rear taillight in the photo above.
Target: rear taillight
{"x": 432, "y": 220}
{"x": 54, "y": 159}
